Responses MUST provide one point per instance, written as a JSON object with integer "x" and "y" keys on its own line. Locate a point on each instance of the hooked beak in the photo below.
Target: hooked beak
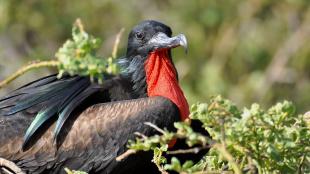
{"x": 162, "y": 41}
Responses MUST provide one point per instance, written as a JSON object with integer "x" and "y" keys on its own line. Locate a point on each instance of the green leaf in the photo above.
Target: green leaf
{"x": 188, "y": 164}
{"x": 78, "y": 56}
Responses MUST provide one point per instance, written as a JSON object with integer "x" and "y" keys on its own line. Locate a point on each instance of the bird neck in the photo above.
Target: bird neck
{"x": 161, "y": 80}
{"x": 155, "y": 75}
{"x": 133, "y": 71}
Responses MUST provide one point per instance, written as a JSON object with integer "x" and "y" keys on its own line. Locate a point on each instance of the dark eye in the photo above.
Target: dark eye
{"x": 140, "y": 35}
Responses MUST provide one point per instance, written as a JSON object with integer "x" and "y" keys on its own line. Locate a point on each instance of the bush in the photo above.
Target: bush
{"x": 244, "y": 141}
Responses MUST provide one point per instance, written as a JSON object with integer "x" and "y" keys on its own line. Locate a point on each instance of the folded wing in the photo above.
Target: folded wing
{"x": 91, "y": 140}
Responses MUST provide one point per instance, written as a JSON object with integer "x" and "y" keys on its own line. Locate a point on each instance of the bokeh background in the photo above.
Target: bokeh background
{"x": 246, "y": 50}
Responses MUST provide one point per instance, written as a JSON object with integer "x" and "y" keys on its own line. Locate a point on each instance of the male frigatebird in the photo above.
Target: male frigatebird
{"x": 71, "y": 122}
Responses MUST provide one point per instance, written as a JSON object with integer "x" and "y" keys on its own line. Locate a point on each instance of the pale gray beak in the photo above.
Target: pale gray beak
{"x": 162, "y": 41}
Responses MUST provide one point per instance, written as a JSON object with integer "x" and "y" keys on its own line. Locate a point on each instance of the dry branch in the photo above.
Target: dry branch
{"x": 125, "y": 155}
{"x": 185, "y": 151}
{"x": 155, "y": 127}
{"x": 23, "y": 70}
{"x": 116, "y": 43}
{"x": 277, "y": 67}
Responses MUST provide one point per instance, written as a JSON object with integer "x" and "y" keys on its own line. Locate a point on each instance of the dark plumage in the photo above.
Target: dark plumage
{"x": 91, "y": 123}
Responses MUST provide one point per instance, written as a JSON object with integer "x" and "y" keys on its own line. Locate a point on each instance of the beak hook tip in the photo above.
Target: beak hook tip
{"x": 183, "y": 42}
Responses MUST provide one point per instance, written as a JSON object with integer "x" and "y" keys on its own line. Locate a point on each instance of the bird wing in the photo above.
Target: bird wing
{"x": 50, "y": 97}
{"x": 91, "y": 141}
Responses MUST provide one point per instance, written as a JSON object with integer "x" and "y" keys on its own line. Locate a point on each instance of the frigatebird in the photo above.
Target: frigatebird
{"x": 71, "y": 122}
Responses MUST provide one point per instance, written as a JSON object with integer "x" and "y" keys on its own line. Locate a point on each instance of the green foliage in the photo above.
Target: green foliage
{"x": 272, "y": 141}
{"x": 178, "y": 167}
{"x": 78, "y": 56}
{"x": 184, "y": 131}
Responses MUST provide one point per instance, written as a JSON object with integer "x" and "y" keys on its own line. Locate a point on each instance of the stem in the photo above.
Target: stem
{"x": 301, "y": 163}
{"x": 79, "y": 24}
{"x": 221, "y": 148}
{"x": 23, "y": 70}
{"x": 223, "y": 136}
{"x": 155, "y": 127}
{"x": 156, "y": 161}
{"x": 116, "y": 43}
{"x": 125, "y": 154}
{"x": 68, "y": 171}
{"x": 277, "y": 66}
{"x": 144, "y": 137}
{"x": 194, "y": 150}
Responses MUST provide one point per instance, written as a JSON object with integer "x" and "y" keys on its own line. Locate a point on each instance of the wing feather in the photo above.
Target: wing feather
{"x": 40, "y": 118}
{"x": 30, "y": 95}
{"x": 69, "y": 107}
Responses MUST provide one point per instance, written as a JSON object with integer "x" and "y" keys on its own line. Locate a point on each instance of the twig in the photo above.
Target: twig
{"x": 223, "y": 136}
{"x": 301, "y": 163}
{"x": 141, "y": 135}
{"x": 184, "y": 151}
{"x": 161, "y": 169}
{"x": 23, "y": 70}
{"x": 68, "y": 171}
{"x": 125, "y": 154}
{"x": 11, "y": 166}
{"x": 276, "y": 68}
{"x": 116, "y": 43}
{"x": 156, "y": 160}
{"x": 155, "y": 127}
{"x": 131, "y": 152}
{"x": 79, "y": 24}
{"x": 221, "y": 148}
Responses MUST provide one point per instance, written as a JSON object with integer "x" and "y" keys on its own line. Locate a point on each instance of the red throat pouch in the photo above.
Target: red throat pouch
{"x": 162, "y": 80}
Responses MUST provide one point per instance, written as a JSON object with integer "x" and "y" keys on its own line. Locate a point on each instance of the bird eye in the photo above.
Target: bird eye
{"x": 140, "y": 35}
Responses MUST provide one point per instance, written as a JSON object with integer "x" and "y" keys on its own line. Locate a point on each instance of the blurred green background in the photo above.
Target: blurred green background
{"x": 246, "y": 50}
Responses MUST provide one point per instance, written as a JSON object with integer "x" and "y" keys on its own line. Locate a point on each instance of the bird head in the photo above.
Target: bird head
{"x": 151, "y": 36}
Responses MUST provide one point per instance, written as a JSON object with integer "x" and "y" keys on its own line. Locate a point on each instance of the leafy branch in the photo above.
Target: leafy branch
{"x": 78, "y": 56}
